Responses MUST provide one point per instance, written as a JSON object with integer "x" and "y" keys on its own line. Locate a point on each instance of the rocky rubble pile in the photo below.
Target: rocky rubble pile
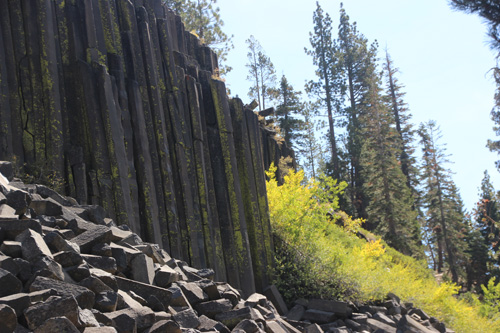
{"x": 67, "y": 268}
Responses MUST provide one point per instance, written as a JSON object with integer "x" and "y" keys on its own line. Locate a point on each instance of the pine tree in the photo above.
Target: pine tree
{"x": 261, "y": 73}
{"x": 384, "y": 184}
{"x": 289, "y": 106}
{"x": 358, "y": 63}
{"x": 328, "y": 88}
{"x": 402, "y": 119}
{"x": 308, "y": 146}
{"x": 445, "y": 218}
{"x": 202, "y": 18}
{"x": 487, "y": 225}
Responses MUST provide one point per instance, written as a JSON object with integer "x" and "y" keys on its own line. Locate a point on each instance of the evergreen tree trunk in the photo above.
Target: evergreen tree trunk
{"x": 451, "y": 256}
{"x": 395, "y": 108}
{"x": 331, "y": 121}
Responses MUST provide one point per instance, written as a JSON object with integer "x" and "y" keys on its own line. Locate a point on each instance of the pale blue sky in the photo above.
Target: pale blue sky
{"x": 443, "y": 56}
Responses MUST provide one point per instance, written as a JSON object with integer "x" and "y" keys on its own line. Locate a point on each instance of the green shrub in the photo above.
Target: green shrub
{"x": 318, "y": 258}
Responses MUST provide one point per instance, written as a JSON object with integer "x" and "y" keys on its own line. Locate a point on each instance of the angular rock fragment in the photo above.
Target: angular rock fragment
{"x": 408, "y": 323}
{"x": 7, "y": 212}
{"x": 177, "y": 297}
{"x": 296, "y": 312}
{"x": 165, "y": 276}
{"x": 233, "y": 317}
{"x": 9, "y": 284}
{"x": 273, "y": 327}
{"x": 186, "y": 319}
{"x": 206, "y": 273}
{"x": 7, "y": 170}
{"x": 248, "y": 326}
{"x": 142, "y": 268}
{"x": 12, "y": 228}
{"x": 11, "y": 248}
{"x": 287, "y": 326}
{"x": 89, "y": 238}
{"x": 118, "y": 234}
{"x": 383, "y": 318}
{"x": 48, "y": 267}
{"x": 105, "y": 277}
{"x": 212, "y": 308}
{"x": 153, "y": 251}
{"x": 155, "y": 304}
{"x": 318, "y": 316}
{"x": 341, "y": 309}
{"x": 19, "y": 200}
{"x": 255, "y": 299}
{"x": 106, "y": 264}
{"x": 126, "y": 301}
{"x": 95, "y": 285}
{"x": 372, "y": 309}
{"x": 165, "y": 326}
{"x": 193, "y": 292}
{"x": 57, "y": 324}
{"x": 132, "y": 239}
{"x": 313, "y": 328}
{"x": 80, "y": 272}
{"x": 84, "y": 296}
{"x": 46, "y": 207}
{"x": 68, "y": 258}
{"x": 102, "y": 249}
{"x": 57, "y": 243}
{"x": 123, "y": 322}
{"x": 38, "y": 313}
{"x": 33, "y": 245}
{"x": 144, "y": 290}
{"x": 228, "y": 292}
{"x": 137, "y": 298}
{"x": 46, "y": 192}
{"x": 9, "y": 264}
{"x": 210, "y": 288}
{"x": 209, "y": 325}
{"x": 19, "y": 302}
{"x": 143, "y": 317}
{"x": 274, "y": 296}
{"x": 8, "y": 318}
{"x": 375, "y": 325}
{"x": 86, "y": 319}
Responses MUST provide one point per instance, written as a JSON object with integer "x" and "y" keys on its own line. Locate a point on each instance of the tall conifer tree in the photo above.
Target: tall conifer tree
{"x": 443, "y": 207}
{"x": 308, "y": 146}
{"x": 487, "y": 226}
{"x": 389, "y": 200}
{"x": 358, "y": 63}
{"x": 402, "y": 117}
{"x": 288, "y": 108}
{"x": 327, "y": 88}
{"x": 261, "y": 73}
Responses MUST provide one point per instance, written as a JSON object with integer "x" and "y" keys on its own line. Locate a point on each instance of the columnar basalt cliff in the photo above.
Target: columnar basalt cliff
{"x": 122, "y": 103}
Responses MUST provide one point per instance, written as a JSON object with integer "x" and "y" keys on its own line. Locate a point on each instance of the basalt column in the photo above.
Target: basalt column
{"x": 115, "y": 104}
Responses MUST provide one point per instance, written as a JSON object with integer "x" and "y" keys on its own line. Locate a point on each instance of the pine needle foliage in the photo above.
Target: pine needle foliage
{"x": 445, "y": 218}
{"x": 389, "y": 199}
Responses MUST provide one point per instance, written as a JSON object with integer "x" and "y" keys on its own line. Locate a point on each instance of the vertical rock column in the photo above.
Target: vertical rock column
{"x": 227, "y": 180}
{"x": 115, "y": 98}
{"x": 259, "y": 241}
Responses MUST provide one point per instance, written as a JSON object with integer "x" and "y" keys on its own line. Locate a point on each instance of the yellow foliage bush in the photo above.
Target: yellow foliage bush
{"x": 319, "y": 258}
